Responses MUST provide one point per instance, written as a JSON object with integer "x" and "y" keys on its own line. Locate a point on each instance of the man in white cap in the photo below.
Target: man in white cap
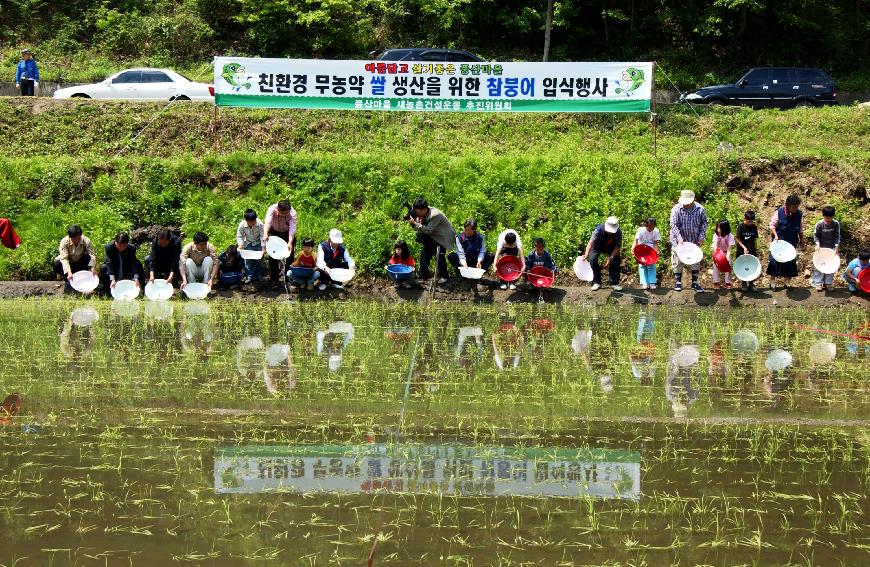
{"x": 688, "y": 224}
{"x": 606, "y": 240}
{"x": 332, "y": 254}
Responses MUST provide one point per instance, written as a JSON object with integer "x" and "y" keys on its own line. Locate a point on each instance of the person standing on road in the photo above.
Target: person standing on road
{"x": 280, "y": 221}
{"x": 606, "y": 239}
{"x": 688, "y": 224}
{"x": 436, "y": 234}
{"x": 27, "y": 74}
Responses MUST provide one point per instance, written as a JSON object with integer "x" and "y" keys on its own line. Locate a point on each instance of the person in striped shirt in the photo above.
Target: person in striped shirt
{"x": 688, "y": 224}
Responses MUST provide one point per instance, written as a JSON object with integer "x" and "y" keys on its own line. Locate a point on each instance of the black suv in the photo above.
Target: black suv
{"x": 425, "y": 54}
{"x": 771, "y": 87}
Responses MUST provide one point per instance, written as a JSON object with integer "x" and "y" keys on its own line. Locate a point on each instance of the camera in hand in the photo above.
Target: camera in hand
{"x": 410, "y": 211}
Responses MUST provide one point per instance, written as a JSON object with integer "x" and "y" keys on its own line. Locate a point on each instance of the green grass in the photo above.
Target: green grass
{"x": 554, "y": 176}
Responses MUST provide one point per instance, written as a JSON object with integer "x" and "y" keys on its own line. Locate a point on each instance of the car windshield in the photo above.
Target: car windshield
{"x": 738, "y": 76}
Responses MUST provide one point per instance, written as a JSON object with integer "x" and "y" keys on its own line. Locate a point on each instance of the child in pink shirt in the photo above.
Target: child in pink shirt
{"x": 724, "y": 241}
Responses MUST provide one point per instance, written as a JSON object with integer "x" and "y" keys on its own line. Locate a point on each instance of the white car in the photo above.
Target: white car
{"x": 142, "y": 84}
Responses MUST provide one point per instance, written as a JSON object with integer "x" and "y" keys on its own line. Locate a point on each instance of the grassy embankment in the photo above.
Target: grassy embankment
{"x": 554, "y": 176}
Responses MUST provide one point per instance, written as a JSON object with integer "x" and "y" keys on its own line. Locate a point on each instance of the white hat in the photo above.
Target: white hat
{"x": 611, "y": 225}
{"x": 687, "y": 197}
{"x": 334, "y": 362}
{"x": 335, "y": 236}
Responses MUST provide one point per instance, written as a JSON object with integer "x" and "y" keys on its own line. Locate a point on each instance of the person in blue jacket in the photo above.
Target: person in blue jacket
{"x": 540, "y": 257}
{"x": 27, "y": 74}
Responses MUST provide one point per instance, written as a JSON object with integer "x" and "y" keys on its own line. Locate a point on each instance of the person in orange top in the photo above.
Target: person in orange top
{"x": 306, "y": 259}
{"x": 402, "y": 256}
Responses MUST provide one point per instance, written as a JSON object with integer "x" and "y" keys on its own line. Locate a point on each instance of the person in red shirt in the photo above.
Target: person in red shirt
{"x": 402, "y": 256}
{"x": 307, "y": 259}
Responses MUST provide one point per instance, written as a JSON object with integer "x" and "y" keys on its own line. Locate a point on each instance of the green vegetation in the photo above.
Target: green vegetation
{"x": 554, "y": 176}
{"x": 696, "y": 41}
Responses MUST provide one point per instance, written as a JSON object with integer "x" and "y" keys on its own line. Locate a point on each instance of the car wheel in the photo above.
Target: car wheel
{"x": 803, "y": 103}
{"x": 80, "y": 95}
{"x": 180, "y": 97}
{"x": 716, "y": 102}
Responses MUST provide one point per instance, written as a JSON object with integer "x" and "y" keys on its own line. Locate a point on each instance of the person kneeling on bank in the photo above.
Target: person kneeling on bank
{"x": 75, "y": 253}
{"x": 306, "y": 259}
{"x": 332, "y": 254}
{"x": 470, "y": 249}
{"x": 402, "y": 257}
{"x": 232, "y": 267}
{"x": 198, "y": 262}
{"x": 855, "y": 267}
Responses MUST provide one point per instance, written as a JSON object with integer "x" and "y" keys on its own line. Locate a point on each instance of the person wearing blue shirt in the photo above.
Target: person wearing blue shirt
{"x": 855, "y": 267}
{"x": 27, "y": 74}
{"x": 470, "y": 249}
{"x": 540, "y": 257}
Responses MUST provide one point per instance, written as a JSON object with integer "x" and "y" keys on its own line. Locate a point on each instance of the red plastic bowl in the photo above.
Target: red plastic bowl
{"x": 540, "y": 276}
{"x": 864, "y": 280}
{"x": 645, "y": 255}
{"x": 721, "y": 261}
{"x": 509, "y": 268}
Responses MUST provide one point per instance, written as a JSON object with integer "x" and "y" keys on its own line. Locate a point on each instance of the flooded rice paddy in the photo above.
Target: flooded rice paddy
{"x": 337, "y": 434}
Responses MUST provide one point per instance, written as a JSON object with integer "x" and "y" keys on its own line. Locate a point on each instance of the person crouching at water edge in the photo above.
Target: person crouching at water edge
{"x": 232, "y": 267}
{"x": 198, "y": 262}
{"x": 120, "y": 263}
{"x": 508, "y": 244}
{"x": 436, "y": 234}
{"x": 855, "y": 267}
{"x": 786, "y": 224}
{"x": 606, "y": 239}
{"x": 332, "y": 254}
{"x": 162, "y": 263}
{"x": 75, "y": 253}
{"x": 470, "y": 249}
{"x": 688, "y": 224}
{"x": 306, "y": 259}
{"x": 402, "y": 257}
{"x": 540, "y": 258}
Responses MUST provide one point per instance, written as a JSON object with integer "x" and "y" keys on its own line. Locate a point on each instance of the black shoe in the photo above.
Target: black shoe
{"x": 424, "y": 276}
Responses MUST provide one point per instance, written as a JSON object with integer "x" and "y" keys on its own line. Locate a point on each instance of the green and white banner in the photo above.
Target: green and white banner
{"x": 433, "y": 86}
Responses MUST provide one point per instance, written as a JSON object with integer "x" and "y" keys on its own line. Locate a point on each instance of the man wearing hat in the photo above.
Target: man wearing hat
{"x": 606, "y": 239}
{"x": 280, "y": 221}
{"x": 332, "y": 254}
{"x": 26, "y": 74}
{"x": 688, "y": 224}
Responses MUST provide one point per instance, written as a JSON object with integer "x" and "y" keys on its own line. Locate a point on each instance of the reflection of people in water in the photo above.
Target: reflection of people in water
{"x": 780, "y": 374}
{"x": 250, "y": 356}
{"x": 10, "y": 407}
{"x": 507, "y": 343}
{"x": 279, "y": 373}
{"x": 197, "y": 334}
{"x": 472, "y": 336}
{"x": 536, "y": 330}
{"x": 78, "y": 335}
{"x": 333, "y": 341}
{"x": 717, "y": 367}
{"x": 641, "y": 359}
{"x": 645, "y": 327}
{"x": 682, "y": 365}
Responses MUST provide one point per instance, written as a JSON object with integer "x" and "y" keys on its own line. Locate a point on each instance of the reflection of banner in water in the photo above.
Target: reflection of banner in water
{"x": 445, "y": 469}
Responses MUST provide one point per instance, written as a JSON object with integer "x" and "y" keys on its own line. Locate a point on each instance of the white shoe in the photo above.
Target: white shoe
{"x": 616, "y": 287}
{"x": 643, "y": 286}
{"x": 321, "y": 287}
{"x": 337, "y": 286}
{"x": 442, "y": 281}
{"x": 652, "y": 286}
{"x": 503, "y": 286}
{"x": 512, "y": 286}
{"x": 596, "y": 287}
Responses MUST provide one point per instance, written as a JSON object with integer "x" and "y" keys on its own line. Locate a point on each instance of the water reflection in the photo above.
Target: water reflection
{"x": 279, "y": 373}
{"x": 198, "y": 329}
{"x": 430, "y": 469}
{"x": 333, "y": 341}
{"x": 507, "y": 344}
{"x": 682, "y": 372}
{"x": 78, "y": 335}
{"x": 472, "y": 337}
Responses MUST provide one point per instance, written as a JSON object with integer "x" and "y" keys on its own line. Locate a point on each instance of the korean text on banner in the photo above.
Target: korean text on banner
{"x": 433, "y": 86}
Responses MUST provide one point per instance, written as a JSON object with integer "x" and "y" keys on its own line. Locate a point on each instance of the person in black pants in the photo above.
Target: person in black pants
{"x": 162, "y": 263}
{"x": 120, "y": 263}
{"x": 435, "y": 234}
{"x": 606, "y": 239}
{"x": 27, "y": 74}
{"x": 470, "y": 249}
{"x": 281, "y": 220}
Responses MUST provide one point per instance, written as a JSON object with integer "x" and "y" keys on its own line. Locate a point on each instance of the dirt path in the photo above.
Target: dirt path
{"x": 567, "y": 292}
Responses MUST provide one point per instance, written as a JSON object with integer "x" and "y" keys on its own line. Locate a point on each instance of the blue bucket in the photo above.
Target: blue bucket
{"x": 399, "y": 272}
{"x": 301, "y": 273}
